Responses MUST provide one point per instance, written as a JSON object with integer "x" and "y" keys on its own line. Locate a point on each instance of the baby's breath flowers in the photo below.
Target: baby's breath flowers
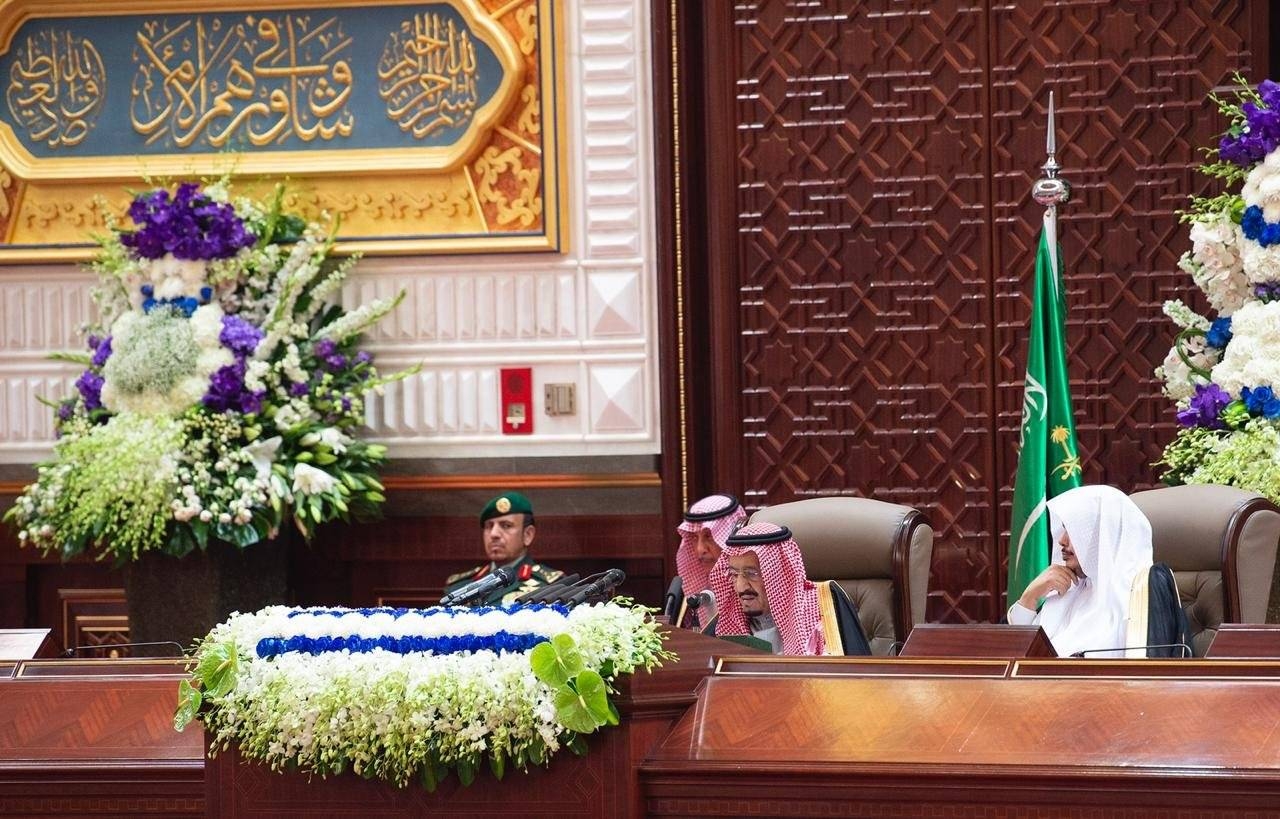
{"x": 218, "y": 339}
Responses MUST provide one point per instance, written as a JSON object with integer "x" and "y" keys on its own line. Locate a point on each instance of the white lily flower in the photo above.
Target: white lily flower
{"x": 263, "y": 454}
{"x": 311, "y": 481}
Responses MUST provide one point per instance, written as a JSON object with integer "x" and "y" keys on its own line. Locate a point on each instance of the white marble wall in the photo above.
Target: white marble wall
{"x": 584, "y": 317}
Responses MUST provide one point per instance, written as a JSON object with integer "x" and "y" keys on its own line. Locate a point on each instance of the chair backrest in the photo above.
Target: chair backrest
{"x": 1221, "y": 544}
{"x": 878, "y": 552}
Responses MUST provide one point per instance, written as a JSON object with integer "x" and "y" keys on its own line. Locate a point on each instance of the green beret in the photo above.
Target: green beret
{"x": 508, "y": 503}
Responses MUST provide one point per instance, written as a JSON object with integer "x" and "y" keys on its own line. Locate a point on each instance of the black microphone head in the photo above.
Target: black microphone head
{"x": 693, "y": 601}
{"x": 505, "y": 574}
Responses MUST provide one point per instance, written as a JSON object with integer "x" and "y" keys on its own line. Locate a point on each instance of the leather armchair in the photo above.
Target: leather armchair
{"x": 1221, "y": 544}
{"x": 878, "y": 552}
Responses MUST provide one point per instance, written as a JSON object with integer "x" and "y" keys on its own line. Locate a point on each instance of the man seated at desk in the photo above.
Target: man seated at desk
{"x": 761, "y": 590}
{"x": 507, "y": 530}
{"x": 1102, "y": 594}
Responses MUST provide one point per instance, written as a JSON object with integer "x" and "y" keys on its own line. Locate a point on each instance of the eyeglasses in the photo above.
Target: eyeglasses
{"x": 750, "y": 575}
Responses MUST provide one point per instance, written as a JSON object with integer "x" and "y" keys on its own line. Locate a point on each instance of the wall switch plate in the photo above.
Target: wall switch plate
{"x": 560, "y": 399}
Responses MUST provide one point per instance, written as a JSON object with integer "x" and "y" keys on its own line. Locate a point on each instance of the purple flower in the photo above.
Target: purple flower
{"x": 336, "y": 361}
{"x": 1205, "y": 407}
{"x": 239, "y": 336}
{"x": 227, "y": 391}
{"x": 299, "y": 389}
{"x": 363, "y": 357}
{"x": 102, "y": 350}
{"x": 90, "y": 386}
{"x": 65, "y": 410}
{"x": 324, "y": 348}
{"x": 189, "y": 225}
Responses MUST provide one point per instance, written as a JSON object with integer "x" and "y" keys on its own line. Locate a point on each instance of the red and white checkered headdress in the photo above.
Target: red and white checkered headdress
{"x": 793, "y": 600}
{"x": 719, "y": 514}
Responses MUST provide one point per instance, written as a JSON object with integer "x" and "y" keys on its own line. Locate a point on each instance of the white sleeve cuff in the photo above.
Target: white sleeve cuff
{"x": 1020, "y": 615}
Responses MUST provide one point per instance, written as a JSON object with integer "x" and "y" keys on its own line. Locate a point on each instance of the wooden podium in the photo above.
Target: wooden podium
{"x": 602, "y": 783}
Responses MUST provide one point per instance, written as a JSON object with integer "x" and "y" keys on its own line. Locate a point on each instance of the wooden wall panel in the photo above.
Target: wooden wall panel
{"x": 864, "y": 214}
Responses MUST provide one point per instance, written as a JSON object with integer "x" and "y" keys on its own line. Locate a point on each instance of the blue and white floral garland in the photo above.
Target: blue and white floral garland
{"x": 438, "y": 630}
{"x": 405, "y": 694}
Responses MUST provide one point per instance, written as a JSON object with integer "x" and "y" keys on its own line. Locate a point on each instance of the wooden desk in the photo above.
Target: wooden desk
{"x": 773, "y": 745}
{"x": 95, "y": 744}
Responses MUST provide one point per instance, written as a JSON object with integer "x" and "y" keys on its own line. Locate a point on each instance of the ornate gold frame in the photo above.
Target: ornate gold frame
{"x": 473, "y": 196}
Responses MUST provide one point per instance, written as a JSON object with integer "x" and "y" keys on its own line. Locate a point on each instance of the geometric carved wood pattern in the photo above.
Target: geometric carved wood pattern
{"x": 875, "y": 231}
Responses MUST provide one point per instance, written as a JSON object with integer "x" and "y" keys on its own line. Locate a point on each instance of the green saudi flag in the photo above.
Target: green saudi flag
{"x": 1048, "y": 463}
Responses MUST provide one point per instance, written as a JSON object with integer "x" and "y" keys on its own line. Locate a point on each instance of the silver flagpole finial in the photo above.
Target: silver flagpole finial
{"x": 1049, "y": 190}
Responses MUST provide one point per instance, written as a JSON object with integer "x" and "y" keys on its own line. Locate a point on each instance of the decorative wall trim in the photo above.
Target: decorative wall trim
{"x": 586, "y": 317}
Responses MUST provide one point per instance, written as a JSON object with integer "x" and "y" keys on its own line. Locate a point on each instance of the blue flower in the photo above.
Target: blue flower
{"x": 1261, "y": 401}
{"x": 1219, "y": 334}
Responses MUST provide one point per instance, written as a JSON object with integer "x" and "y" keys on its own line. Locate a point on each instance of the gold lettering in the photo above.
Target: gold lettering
{"x": 265, "y": 81}
{"x": 427, "y": 75}
{"x": 56, "y": 87}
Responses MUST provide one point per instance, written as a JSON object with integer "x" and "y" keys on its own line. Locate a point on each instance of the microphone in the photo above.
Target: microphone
{"x": 494, "y": 580}
{"x": 671, "y": 603}
{"x": 703, "y": 607}
{"x": 612, "y": 578}
{"x": 542, "y": 593}
{"x": 71, "y": 652}
{"x": 563, "y": 593}
{"x": 1185, "y": 649}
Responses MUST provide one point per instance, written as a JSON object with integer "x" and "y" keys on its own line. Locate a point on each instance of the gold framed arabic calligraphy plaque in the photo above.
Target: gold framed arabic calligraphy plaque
{"x": 427, "y": 127}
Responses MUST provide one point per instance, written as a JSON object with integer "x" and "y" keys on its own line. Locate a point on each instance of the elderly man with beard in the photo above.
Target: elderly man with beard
{"x": 760, "y": 584}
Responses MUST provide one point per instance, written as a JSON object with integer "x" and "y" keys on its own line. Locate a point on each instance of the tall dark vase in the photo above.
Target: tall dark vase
{"x": 181, "y": 599}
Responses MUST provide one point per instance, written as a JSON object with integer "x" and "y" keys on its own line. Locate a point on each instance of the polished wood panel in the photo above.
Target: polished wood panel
{"x": 867, "y": 746}
{"x": 1241, "y": 640}
{"x": 97, "y": 746}
{"x": 25, "y": 643}
{"x": 602, "y": 783}
{"x": 977, "y": 640}
{"x": 859, "y": 183}
{"x": 1146, "y": 669}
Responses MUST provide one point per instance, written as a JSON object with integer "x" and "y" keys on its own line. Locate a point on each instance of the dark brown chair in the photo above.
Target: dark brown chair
{"x": 878, "y": 552}
{"x": 1221, "y": 544}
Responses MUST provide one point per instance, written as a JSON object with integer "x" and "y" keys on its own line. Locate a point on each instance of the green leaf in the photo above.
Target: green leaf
{"x": 572, "y": 712}
{"x": 428, "y": 777}
{"x": 498, "y": 764}
{"x": 200, "y": 529}
{"x": 467, "y": 771}
{"x": 593, "y": 692}
{"x": 217, "y": 669}
{"x": 188, "y": 704}
{"x": 556, "y": 661}
{"x": 578, "y": 745}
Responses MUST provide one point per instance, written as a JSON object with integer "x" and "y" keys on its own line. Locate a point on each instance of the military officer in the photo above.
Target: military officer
{"x": 506, "y": 525}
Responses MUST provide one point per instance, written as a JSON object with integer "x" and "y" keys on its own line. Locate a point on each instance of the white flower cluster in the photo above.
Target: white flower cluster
{"x": 1262, "y": 187}
{"x": 391, "y": 715}
{"x": 1216, "y": 264}
{"x": 1251, "y": 358}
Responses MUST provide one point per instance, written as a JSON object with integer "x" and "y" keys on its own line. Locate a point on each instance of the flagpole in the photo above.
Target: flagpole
{"x": 1049, "y": 190}
{"x": 1048, "y": 455}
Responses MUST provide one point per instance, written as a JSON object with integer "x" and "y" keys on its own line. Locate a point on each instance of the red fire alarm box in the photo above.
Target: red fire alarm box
{"x": 517, "y": 400}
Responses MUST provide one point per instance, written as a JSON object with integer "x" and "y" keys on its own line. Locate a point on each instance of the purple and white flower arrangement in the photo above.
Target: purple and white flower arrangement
{"x": 222, "y": 392}
{"x": 1223, "y": 371}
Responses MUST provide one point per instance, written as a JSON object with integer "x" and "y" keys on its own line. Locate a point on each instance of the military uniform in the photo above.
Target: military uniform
{"x": 529, "y": 576}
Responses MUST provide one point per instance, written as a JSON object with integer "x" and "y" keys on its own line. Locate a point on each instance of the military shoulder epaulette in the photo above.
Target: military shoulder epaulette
{"x": 547, "y": 575}
{"x": 467, "y": 575}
